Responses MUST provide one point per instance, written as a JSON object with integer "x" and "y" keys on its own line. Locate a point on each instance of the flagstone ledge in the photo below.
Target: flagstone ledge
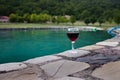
{"x": 73, "y": 53}
{"x": 109, "y": 71}
{"x": 92, "y": 47}
{"x": 108, "y": 43}
{"x": 69, "y": 78}
{"x": 63, "y": 68}
{"x": 43, "y": 60}
{"x": 11, "y": 67}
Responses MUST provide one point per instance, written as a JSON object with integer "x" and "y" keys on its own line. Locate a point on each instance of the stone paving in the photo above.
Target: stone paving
{"x": 73, "y": 54}
{"x": 100, "y": 61}
{"x": 63, "y": 68}
{"x": 69, "y": 78}
{"x": 110, "y": 71}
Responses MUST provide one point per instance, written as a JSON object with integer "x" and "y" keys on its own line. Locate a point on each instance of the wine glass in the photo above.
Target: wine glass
{"x": 73, "y": 34}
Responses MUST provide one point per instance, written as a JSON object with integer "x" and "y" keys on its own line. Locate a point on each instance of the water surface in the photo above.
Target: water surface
{"x": 20, "y": 45}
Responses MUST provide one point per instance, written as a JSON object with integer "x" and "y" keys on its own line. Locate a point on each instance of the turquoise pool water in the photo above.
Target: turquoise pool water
{"x": 20, "y": 45}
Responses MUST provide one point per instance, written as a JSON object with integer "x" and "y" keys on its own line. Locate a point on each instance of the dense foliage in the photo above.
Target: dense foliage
{"x": 93, "y": 10}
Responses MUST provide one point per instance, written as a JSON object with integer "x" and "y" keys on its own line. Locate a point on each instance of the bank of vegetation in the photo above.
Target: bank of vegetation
{"x": 43, "y": 11}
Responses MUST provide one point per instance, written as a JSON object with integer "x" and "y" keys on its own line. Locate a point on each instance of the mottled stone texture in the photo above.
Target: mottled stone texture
{"x": 11, "y": 66}
{"x": 74, "y": 53}
{"x": 92, "y": 47}
{"x": 63, "y": 68}
{"x": 69, "y": 78}
{"x": 106, "y": 43}
{"x": 110, "y": 71}
{"x": 43, "y": 59}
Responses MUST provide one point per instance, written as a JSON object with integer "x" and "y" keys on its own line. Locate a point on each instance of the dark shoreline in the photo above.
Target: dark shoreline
{"x": 1, "y": 29}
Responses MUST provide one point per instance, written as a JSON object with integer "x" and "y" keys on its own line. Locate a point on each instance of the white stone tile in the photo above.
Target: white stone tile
{"x": 39, "y": 79}
{"x": 32, "y": 72}
{"x": 12, "y": 66}
{"x": 117, "y": 48}
{"x": 114, "y": 39}
{"x": 63, "y": 68}
{"x": 112, "y": 44}
{"x": 92, "y": 47}
{"x": 69, "y": 78}
{"x": 110, "y": 71}
{"x": 43, "y": 59}
{"x": 75, "y": 53}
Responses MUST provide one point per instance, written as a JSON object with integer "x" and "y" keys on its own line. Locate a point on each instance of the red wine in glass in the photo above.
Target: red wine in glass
{"x": 73, "y": 34}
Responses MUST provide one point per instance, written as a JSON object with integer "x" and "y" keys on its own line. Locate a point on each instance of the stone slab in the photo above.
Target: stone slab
{"x": 73, "y": 54}
{"x": 29, "y": 73}
{"x": 110, "y": 71}
{"x": 106, "y": 43}
{"x": 43, "y": 59}
{"x": 11, "y": 66}
{"x": 39, "y": 79}
{"x": 63, "y": 68}
{"x": 69, "y": 78}
{"x": 92, "y": 47}
{"x": 117, "y": 48}
{"x": 114, "y": 39}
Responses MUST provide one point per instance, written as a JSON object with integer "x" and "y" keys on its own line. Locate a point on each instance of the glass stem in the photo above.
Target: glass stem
{"x": 73, "y": 45}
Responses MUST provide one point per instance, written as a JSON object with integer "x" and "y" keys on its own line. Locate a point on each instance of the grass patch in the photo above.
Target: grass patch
{"x": 38, "y": 25}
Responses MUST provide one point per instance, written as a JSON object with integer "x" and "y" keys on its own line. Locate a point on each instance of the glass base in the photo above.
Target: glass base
{"x": 73, "y": 51}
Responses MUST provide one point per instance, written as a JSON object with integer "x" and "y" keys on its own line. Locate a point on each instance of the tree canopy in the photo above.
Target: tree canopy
{"x": 81, "y": 9}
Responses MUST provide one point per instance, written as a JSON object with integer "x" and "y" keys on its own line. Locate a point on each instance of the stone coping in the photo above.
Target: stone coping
{"x": 63, "y": 68}
{"x": 91, "y": 47}
{"x": 73, "y": 53}
{"x": 69, "y": 78}
{"x": 43, "y": 59}
{"x": 108, "y": 43}
{"x": 109, "y": 71}
{"x": 12, "y": 66}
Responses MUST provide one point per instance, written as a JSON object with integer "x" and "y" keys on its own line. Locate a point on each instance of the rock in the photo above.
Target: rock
{"x": 92, "y": 47}
{"x": 117, "y": 48}
{"x": 114, "y": 39}
{"x": 11, "y": 66}
{"x": 42, "y": 59}
{"x": 29, "y": 73}
{"x": 110, "y": 71}
{"x": 107, "y": 51}
{"x": 106, "y": 43}
{"x": 39, "y": 79}
{"x": 63, "y": 68}
{"x": 101, "y": 56}
{"x": 69, "y": 78}
{"x": 97, "y": 59}
{"x": 74, "y": 54}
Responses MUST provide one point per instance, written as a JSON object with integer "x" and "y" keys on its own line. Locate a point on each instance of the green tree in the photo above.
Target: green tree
{"x": 108, "y": 15}
{"x": 85, "y": 14}
{"x": 43, "y": 18}
{"x": 54, "y": 19}
{"x": 100, "y": 21}
{"x": 72, "y": 19}
{"x": 87, "y": 21}
{"x": 33, "y": 18}
{"x": 117, "y": 17}
{"x": 13, "y": 17}
{"x": 20, "y": 19}
{"x": 81, "y": 9}
{"x": 93, "y": 20}
{"x": 61, "y": 19}
{"x": 26, "y": 17}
